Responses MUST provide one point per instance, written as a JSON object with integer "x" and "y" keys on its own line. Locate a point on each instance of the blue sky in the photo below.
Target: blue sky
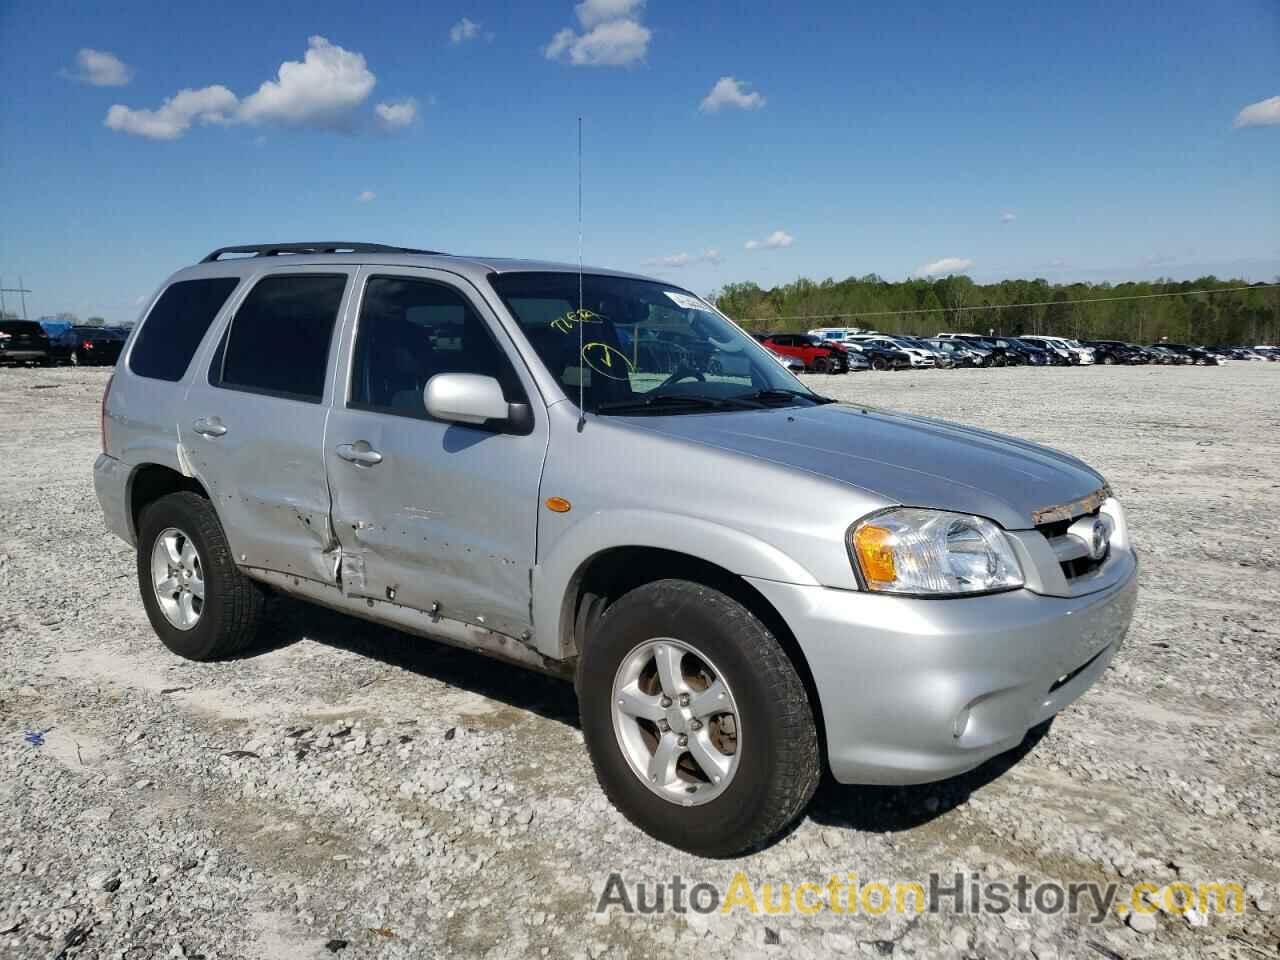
{"x": 1074, "y": 141}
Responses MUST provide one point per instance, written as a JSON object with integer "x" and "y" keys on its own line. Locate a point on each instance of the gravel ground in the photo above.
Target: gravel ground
{"x": 356, "y": 792}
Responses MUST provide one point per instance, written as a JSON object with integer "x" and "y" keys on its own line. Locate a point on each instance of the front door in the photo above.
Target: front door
{"x": 252, "y": 430}
{"x": 431, "y": 515}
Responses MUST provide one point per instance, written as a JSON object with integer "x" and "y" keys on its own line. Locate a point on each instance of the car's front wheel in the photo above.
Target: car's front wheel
{"x": 198, "y": 601}
{"x": 698, "y": 724}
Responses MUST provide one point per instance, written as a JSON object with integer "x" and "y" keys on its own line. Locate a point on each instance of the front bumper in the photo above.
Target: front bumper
{"x": 111, "y": 484}
{"x": 914, "y": 690}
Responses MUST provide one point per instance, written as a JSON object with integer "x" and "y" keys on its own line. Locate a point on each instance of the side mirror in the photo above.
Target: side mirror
{"x": 474, "y": 399}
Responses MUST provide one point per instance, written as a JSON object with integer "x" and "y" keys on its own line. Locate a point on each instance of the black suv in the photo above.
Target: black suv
{"x": 23, "y": 341}
{"x": 86, "y": 346}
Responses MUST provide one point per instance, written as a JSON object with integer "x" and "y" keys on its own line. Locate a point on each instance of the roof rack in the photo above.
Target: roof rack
{"x": 328, "y": 246}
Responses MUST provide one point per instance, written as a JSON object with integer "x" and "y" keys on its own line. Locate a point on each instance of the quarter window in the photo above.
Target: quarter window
{"x": 278, "y": 341}
{"x": 176, "y": 325}
{"x": 409, "y": 331}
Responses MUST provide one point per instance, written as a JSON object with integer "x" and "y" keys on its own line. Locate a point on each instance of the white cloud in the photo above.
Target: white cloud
{"x": 1261, "y": 114}
{"x": 464, "y": 30}
{"x": 592, "y": 12}
{"x": 1008, "y": 216}
{"x": 775, "y": 240}
{"x": 101, "y": 69}
{"x": 321, "y": 90}
{"x": 729, "y": 92}
{"x": 214, "y": 104}
{"x": 398, "y": 114}
{"x": 365, "y": 196}
{"x": 946, "y": 265}
{"x": 677, "y": 260}
{"x": 613, "y": 37}
{"x": 324, "y": 89}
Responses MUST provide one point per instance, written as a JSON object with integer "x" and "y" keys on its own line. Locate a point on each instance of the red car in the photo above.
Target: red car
{"x": 809, "y": 350}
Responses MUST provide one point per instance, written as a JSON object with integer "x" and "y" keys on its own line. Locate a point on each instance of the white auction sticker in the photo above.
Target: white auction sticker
{"x": 686, "y": 301}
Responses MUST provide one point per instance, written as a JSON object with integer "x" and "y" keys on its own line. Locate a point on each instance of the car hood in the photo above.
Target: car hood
{"x": 915, "y": 461}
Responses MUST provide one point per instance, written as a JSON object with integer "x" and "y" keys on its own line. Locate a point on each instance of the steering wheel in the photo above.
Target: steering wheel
{"x": 682, "y": 372}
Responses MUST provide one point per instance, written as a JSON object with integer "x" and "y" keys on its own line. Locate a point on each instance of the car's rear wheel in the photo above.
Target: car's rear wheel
{"x": 821, "y": 365}
{"x": 879, "y": 363}
{"x": 1108, "y": 360}
{"x": 698, "y": 725}
{"x": 198, "y": 601}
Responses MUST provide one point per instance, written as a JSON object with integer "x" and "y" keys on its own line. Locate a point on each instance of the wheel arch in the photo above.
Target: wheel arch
{"x": 148, "y": 482}
{"x": 609, "y": 574}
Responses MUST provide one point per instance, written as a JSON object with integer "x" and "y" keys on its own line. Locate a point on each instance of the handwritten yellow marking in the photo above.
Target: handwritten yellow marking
{"x": 599, "y": 357}
{"x": 565, "y": 324}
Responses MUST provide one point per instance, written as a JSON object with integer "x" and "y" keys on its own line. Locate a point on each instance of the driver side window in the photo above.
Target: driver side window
{"x": 410, "y": 330}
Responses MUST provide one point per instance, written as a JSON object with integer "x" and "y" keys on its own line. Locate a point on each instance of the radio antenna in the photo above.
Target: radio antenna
{"x": 582, "y": 372}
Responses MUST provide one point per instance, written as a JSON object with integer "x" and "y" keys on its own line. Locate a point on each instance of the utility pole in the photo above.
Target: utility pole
{"x": 19, "y": 289}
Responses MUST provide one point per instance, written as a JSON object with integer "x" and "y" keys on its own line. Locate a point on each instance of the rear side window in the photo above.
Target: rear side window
{"x": 176, "y": 325}
{"x": 278, "y": 341}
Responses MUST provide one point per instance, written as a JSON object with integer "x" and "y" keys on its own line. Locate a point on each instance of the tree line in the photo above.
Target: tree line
{"x": 924, "y": 307}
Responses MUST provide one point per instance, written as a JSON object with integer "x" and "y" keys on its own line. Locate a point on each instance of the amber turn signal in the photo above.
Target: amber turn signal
{"x": 874, "y": 547}
{"x": 558, "y": 505}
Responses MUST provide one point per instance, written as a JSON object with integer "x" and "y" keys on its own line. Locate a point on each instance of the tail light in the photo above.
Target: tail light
{"x": 103, "y": 420}
{"x": 88, "y": 344}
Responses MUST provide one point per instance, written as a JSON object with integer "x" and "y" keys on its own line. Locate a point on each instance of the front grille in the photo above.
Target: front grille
{"x": 1072, "y": 553}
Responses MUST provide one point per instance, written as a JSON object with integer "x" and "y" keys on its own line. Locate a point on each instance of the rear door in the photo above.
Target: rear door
{"x": 253, "y": 424}
{"x": 429, "y": 512}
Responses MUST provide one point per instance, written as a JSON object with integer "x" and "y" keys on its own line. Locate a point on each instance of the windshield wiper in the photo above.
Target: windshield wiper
{"x": 665, "y": 402}
{"x": 765, "y": 396}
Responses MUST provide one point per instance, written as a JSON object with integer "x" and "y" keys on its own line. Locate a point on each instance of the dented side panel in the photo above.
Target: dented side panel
{"x": 265, "y": 472}
{"x": 446, "y": 523}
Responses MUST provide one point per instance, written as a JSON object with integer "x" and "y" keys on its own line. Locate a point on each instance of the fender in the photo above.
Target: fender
{"x": 556, "y": 577}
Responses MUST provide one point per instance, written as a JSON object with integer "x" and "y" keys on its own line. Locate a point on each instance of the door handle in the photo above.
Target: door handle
{"x": 359, "y": 452}
{"x": 209, "y": 428}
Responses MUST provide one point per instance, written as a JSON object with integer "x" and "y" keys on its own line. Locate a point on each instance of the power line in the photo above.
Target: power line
{"x": 1005, "y": 306}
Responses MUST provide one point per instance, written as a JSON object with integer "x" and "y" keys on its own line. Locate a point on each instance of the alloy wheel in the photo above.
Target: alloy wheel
{"x": 177, "y": 575}
{"x": 676, "y": 721}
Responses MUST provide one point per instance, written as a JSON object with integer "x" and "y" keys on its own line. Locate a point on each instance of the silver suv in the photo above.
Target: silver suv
{"x": 600, "y": 476}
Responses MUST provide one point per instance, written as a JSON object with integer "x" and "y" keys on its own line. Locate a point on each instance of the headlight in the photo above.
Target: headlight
{"x": 933, "y": 553}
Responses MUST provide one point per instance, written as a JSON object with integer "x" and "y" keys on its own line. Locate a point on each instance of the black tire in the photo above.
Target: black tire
{"x": 1108, "y": 360}
{"x": 879, "y": 363}
{"x": 821, "y": 365}
{"x": 776, "y": 775}
{"x": 233, "y": 604}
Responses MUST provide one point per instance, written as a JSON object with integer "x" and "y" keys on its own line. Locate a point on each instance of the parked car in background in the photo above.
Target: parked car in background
{"x": 961, "y": 354}
{"x": 857, "y": 360}
{"x": 1017, "y": 354}
{"x": 413, "y": 439}
{"x": 1037, "y": 355}
{"x": 941, "y": 358}
{"x": 999, "y": 356}
{"x": 837, "y": 333}
{"x": 23, "y": 341}
{"x": 817, "y": 355}
{"x": 87, "y": 346}
{"x": 1114, "y": 351}
{"x": 1193, "y": 354}
{"x": 1059, "y": 354}
{"x": 880, "y": 358}
{"x": 1168, "y": 357}
{"x": 916, "y": 356}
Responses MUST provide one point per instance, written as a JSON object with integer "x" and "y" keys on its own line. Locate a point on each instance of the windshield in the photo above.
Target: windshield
{"x": 645, "y": 346}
